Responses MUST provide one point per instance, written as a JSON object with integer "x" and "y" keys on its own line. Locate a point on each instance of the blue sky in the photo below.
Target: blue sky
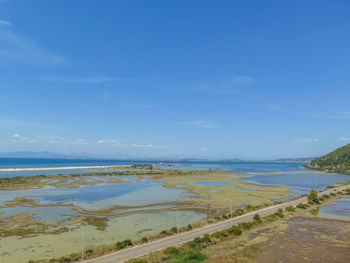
{"x": 213, "y": 79}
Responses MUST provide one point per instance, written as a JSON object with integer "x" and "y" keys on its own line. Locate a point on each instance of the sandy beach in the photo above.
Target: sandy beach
{"x": 62, "y": 168}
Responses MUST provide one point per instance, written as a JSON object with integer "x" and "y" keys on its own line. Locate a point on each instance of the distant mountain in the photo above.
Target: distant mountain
{"x": 337, "y": 161}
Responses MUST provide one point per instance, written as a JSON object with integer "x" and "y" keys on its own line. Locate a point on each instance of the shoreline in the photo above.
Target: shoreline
{"x": 62, "y": 168}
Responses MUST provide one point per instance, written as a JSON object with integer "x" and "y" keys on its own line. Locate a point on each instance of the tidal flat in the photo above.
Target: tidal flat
{"x": 41, "y": 214}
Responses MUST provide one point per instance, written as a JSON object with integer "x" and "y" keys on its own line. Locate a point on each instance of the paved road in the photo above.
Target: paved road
{"x": 141, "y": 250}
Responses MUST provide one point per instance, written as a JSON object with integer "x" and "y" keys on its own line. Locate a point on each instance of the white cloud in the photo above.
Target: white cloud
{"x": 148, "y": 146}
{"x": 205, "y": 124}
{"x": 17, "y": 138}
{"x": 47, "y": 142}
{"x": 305, "y": 140}
{"x": 6, "y": 23}
{"x": 344, "y": 139}
{"x": 18, "y": 49}
{"x": 109, "y": 141}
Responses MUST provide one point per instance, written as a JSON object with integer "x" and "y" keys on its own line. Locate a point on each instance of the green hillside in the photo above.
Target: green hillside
{"x": 337, "y": 161}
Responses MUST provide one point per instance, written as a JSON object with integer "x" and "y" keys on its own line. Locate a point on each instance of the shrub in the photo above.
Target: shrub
{"x": 257, "y": 217}
{"x": 332, "y": 194}
{"x": 144, "y": 240}
{"x": 238, "y": 212}
{"x": 123, "y": 244}
{"x": 313, "y": 197}
{"x": 164, "y": 232}
{"x": 236, "y": 230}
{"x": 139, "y": 261}
{"x": 173, "y": 229}
{"x": 279, "y": 213}
{"x": 207, "y": 238}
{"x": 188, "y": 257}
{"x": 246, "y": 225}
{"x": 171, "y": 251}
{"x": 290, "y": 209}
{"x": 221, "y": 234}
{"x": 302, "y": 206}
{"x": 189, "y": 227}
{"x": 224, "y": 216}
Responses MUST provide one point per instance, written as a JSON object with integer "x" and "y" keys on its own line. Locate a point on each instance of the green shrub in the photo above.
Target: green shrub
{"x": 312, "y": 197}
{"x": 257, "y": 217}
{"x": 279, "y": 213}
{"x": 302, "y": 206}
{"x": 332, "y": 194}
{"x": 164, "y": 232}
{"x": 290, "y": 209}
{"x": 173, "y": 229}
{"x": 171, "y": 251}
{"x": 144, "y": 240}
{"x": 207, "y": 238}
{"x": 139, "y": 261}
{"x": 236, "y": 230}
{"x": 189, "y": 227}
{"x": 224, "y": 216}
{"x": 238, "y": 212}
{"x": 246, "y": 225}
{"x": 123, "y": 244}
{"x": 220, "y": 234}
{"x": 188, "y": 257}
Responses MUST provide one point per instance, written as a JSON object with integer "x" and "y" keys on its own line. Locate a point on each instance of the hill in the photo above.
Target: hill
{"x": 337, "y": 161}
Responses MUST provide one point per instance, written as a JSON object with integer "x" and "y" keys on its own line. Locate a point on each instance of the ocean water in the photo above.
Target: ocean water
{"x": 237, "y": 167}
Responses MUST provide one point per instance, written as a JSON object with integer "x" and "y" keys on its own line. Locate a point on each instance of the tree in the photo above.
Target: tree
{"x": 313, "y": 197}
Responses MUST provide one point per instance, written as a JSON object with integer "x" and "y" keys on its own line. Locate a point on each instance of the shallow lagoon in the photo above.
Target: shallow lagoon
{"x": 19, "y": 250}
{"x": 339, "y": 210}
{"x": 103, "y": 196}
{"x": 315, "y": 180}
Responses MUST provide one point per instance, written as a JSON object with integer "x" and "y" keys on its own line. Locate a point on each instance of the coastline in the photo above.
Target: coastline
{"x": 62, "y": 168}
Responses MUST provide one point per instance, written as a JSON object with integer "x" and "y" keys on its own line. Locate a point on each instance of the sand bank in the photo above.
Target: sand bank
{"x": 62, "y": 168}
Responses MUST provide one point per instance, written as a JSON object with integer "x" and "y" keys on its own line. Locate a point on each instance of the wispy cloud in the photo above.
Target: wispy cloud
{"x": 6, "y": 23}
{"x": 91, "y": 80}
{"x": 109, "y": 141}
{"x": 224, "y": 86}
{"x": 44, "y": 140}
{"x": 332, "y": 115}
{"x": 19, "y": 49}
{"x": 305, "y": 140}
{"x": 205, "y": 124}
{"x": 344, "y": 139}
{"x": 117, "y": 142}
